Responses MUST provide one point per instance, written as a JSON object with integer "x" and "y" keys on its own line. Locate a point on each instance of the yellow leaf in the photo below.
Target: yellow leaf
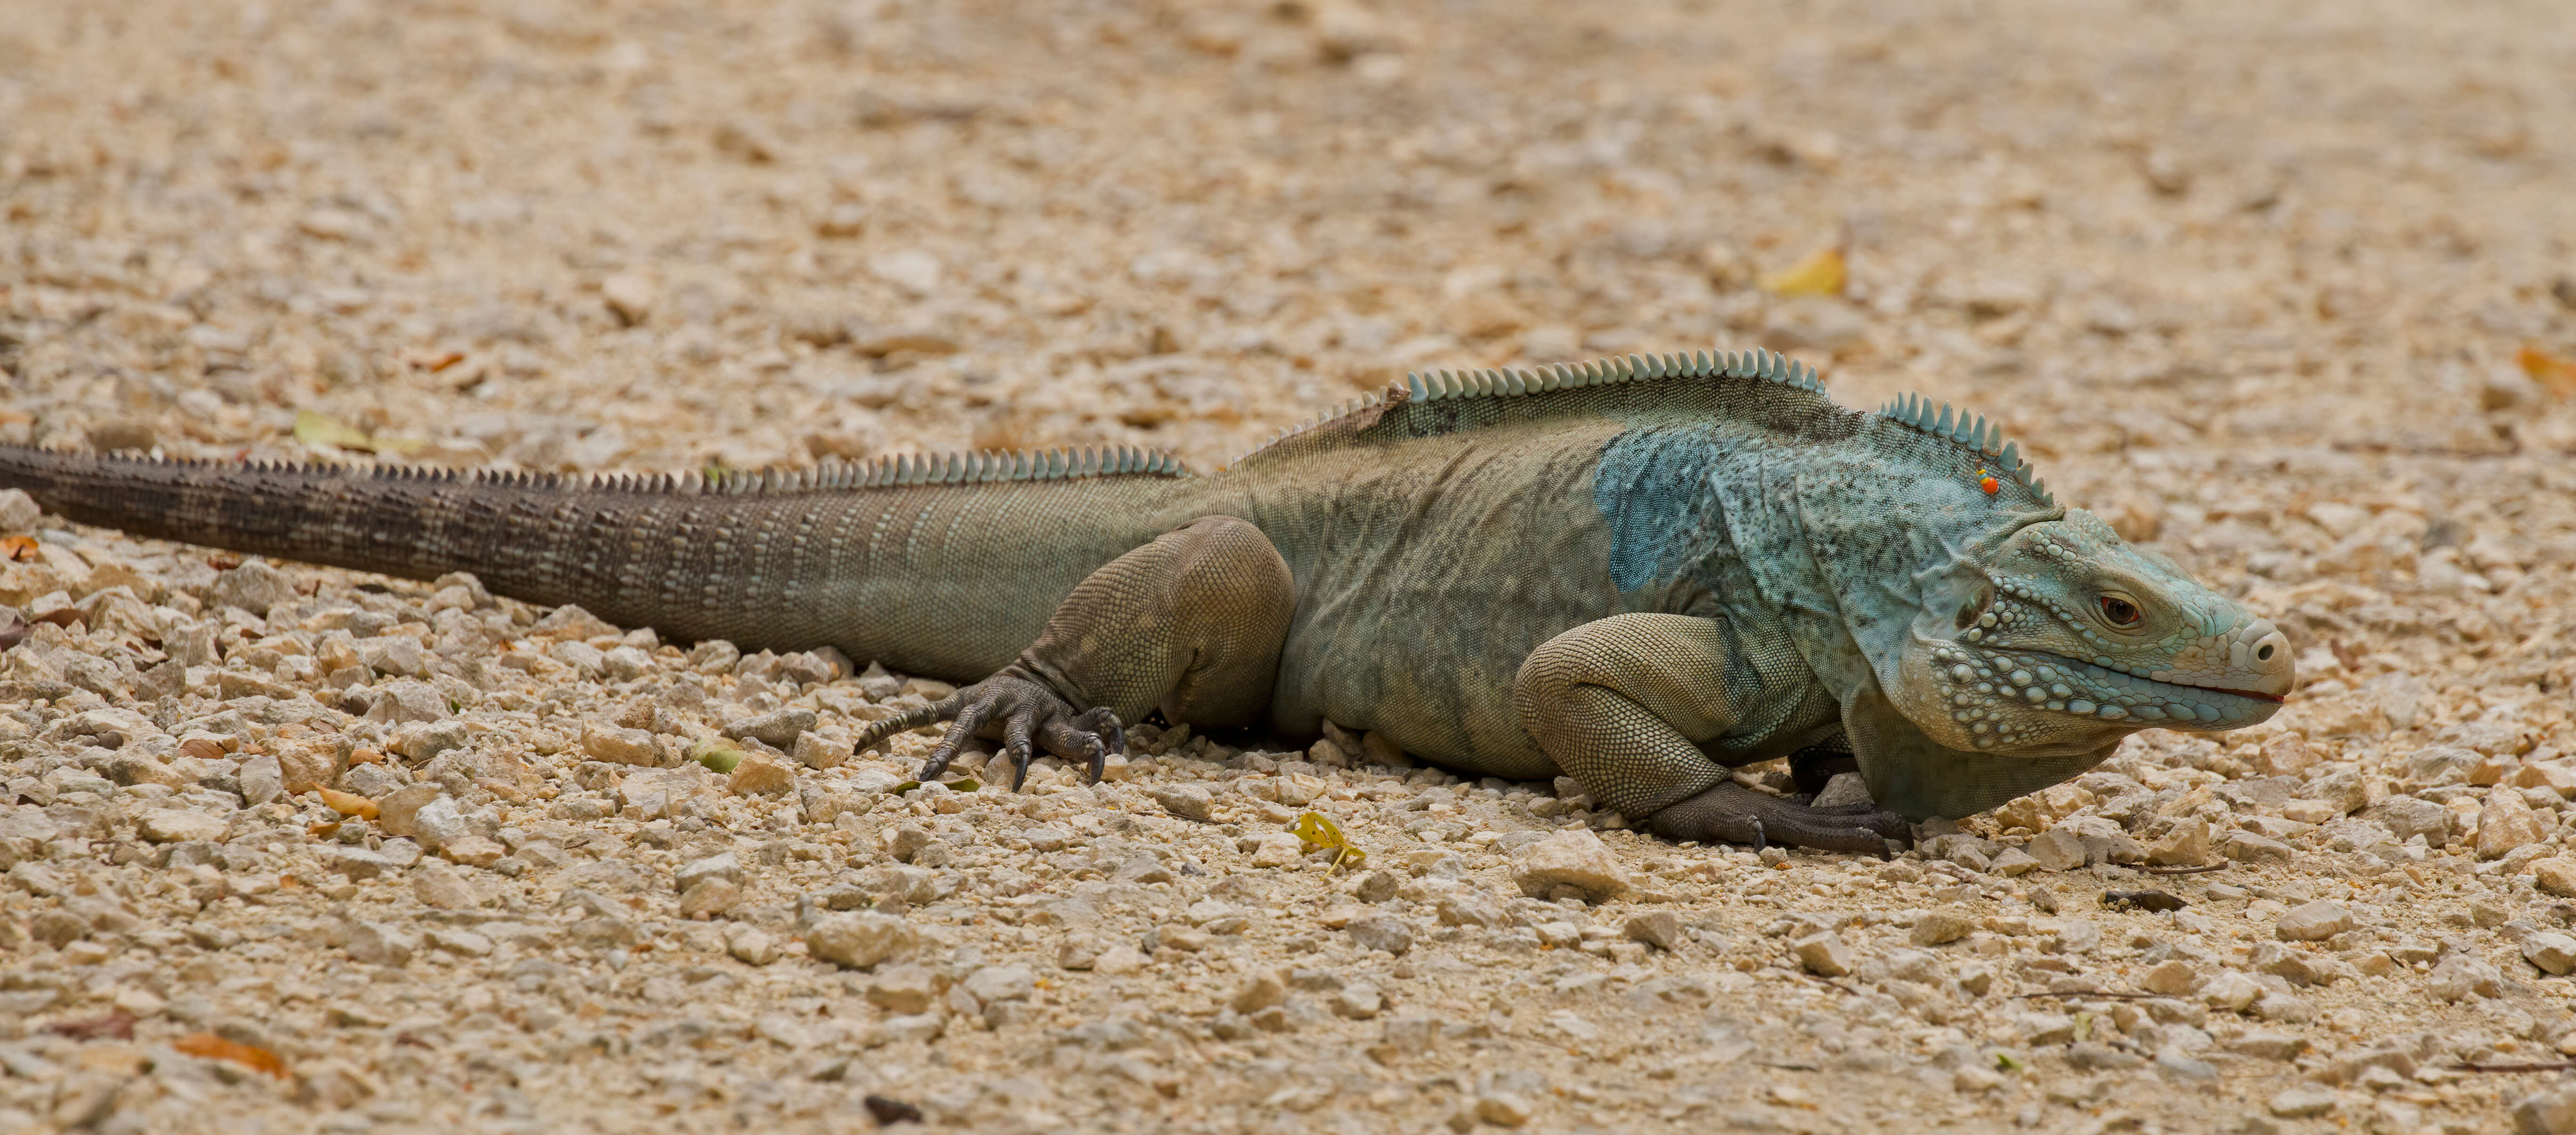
{"x": 1318, "y": 831}
{"x": 2558, "y": 374}
{"x": 349, "y": 804}
{"x": 1822, "y": 273}
{"x": 314, "y": 428}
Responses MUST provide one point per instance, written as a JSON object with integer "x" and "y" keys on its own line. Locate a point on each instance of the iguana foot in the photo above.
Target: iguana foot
{"x": 1732, "y": 813}
{"x": 1017, "y": 711}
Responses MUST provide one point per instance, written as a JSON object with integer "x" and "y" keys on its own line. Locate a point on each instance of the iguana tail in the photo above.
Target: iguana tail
{"x": 872, "y": 557}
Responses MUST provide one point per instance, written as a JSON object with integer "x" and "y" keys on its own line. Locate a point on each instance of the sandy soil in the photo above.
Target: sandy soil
{"x": 2279, "y": 288}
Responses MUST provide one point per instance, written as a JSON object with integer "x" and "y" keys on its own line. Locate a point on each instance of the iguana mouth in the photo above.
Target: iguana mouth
{"x": 1983, "y": 685}
{"x": 2257, "y": 695}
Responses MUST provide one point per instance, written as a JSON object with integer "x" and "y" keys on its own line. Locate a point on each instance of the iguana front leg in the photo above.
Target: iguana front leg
{"x": 1623, "y": 704}
{"x": 1191, "y": 623}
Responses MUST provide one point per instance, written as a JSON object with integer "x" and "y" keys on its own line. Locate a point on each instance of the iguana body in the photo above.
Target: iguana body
{"x": 1638, "y": 572}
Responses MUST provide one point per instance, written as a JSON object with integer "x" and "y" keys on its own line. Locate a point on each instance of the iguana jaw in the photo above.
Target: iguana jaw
{"x": 2010, "y": 701}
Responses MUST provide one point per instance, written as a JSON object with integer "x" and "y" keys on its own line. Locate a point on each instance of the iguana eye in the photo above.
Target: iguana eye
{"x": 2121, "y": 612}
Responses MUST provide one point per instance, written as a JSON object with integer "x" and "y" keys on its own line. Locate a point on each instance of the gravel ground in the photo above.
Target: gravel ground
{"x": 2278, "y": 288}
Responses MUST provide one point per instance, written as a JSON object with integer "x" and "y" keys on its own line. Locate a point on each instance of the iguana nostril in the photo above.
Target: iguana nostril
{"x": 2265, "y": 654}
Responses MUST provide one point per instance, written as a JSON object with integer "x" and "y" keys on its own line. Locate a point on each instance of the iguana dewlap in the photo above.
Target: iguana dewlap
{"x": 1637, "y": 572}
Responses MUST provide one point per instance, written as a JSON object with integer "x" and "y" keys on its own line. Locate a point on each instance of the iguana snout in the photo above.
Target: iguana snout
{"x": 2076, "y": 638}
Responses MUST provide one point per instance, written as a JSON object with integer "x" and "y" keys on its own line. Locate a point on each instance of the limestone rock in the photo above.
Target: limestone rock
{"x": 2313, "y": 922}
{"x": 1188, "y": 801}
{"x": 1824, "y": 954}
{"x": 760, "y": 774}
{"x": 859, "y": 941}
{"x": 2056, "y": 849}
{"x": 2553, "y": 952}
{"x": 2187, "y": 845}
{"x": 1385, "y": 932}
{"x": 1939, "y": 927}
{"x": 1575, "y": 859}
{"x": 1661, "y": 929}
{"x": 619, "y": 746}
{"x": 2507, "y": 822}
{"x": 444, "y": 888}
{"x": 172, "y": 825}
{"x": 2555, "y": 876}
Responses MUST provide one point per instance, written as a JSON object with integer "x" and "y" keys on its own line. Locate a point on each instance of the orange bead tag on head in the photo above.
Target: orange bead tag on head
{"x": 1989, "y": 484}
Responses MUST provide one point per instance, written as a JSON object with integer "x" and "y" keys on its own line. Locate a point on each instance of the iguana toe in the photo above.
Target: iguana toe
{"x": 1732, "y": 813}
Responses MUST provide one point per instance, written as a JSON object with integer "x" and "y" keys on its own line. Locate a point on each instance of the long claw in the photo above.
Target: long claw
{"x": 1015, "y": 741}
{"x": 969, "y": 719}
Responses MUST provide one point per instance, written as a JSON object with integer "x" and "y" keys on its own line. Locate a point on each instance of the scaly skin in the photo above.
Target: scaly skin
{"x": 1639, "y": 573}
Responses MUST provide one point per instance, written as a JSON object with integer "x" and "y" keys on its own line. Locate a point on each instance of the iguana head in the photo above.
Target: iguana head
{"x": 2074, "y": 638}
{"x": 1994, "y": 642}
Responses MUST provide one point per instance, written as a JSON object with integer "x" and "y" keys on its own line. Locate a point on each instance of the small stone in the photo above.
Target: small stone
{"x": 376, "y": 944}
{"x": 1576, "y": 859}
{"x": 1939, "y": 927}
{"x": 1358, "y": 1001}
{"x": 726, "y": 866}
{"x": 906, "y": 989}
{"x": 2056, "y": 849}
{"x": 18, "y": 511}
{"x": 396, "y": 810}
{"x": 2551, "y": 1112}
{"x": 254, "y": 587}
{"x": 2231, "y": 991}
{"x": 2313, "y": 922}
{"x": 463, "y": 943}
{"x": 444, "y": 888}
{"x": 1277, "y": 849}
{"x": 2013, "y": 863}
{"x": 619, "y": 746}
{"x": 2507, "y": 822}
{"x": 2555, "y": 876}
{"x": 1384, "y": 932}
{"x": 2301, "y": 1102}
{"x": 1121, "y": 959}
{"x": 859, "y": 941}
{"x": 751, "y": 945}
{"x": 262, "y": 780}
{"x": 629, "y": 297}
{"x": 2172, "y": 979}
{"x": 1188, "y": 801}
{"x": 1258, "y": 992}
{"x": 1846, "y": 788}
{"x": 994, "y": 984}
{"x": 777, "y": 729}
{"x": 760, "y": 774}
{"x": 2267, "y": 1045}
{"x": 1504, "y": 1109}
{"x": 1376, "y": 887}
{"x": 471, "y": 851}
{"x": 1661, "y": 929}
{"x": 814, "y": 751}
{"x": 2553, "y": 952}
{"x": 2462, "y": 976}
{"x": 2187, "y": 845}
{"x": 2409, "y": 816}
{"x": 2247, "y": 847}
{"x": 1824, "y": 954}
{"x": 709, "y": 898}
{"x": 172, "y": 825}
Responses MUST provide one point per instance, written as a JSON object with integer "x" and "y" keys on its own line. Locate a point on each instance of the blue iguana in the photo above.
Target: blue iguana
{"x": 1638, "y": 572}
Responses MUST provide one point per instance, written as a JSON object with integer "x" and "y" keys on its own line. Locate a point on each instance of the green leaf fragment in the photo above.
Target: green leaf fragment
{"x": 720, "y": 758}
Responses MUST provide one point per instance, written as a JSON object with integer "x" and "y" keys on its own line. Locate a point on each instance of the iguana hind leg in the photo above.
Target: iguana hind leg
{"x": 1623, "y": 704}
{"x": 1191, "y": 623}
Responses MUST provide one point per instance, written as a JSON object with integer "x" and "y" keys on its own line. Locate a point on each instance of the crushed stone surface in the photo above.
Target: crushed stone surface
{"x": 2280, "y": 290}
